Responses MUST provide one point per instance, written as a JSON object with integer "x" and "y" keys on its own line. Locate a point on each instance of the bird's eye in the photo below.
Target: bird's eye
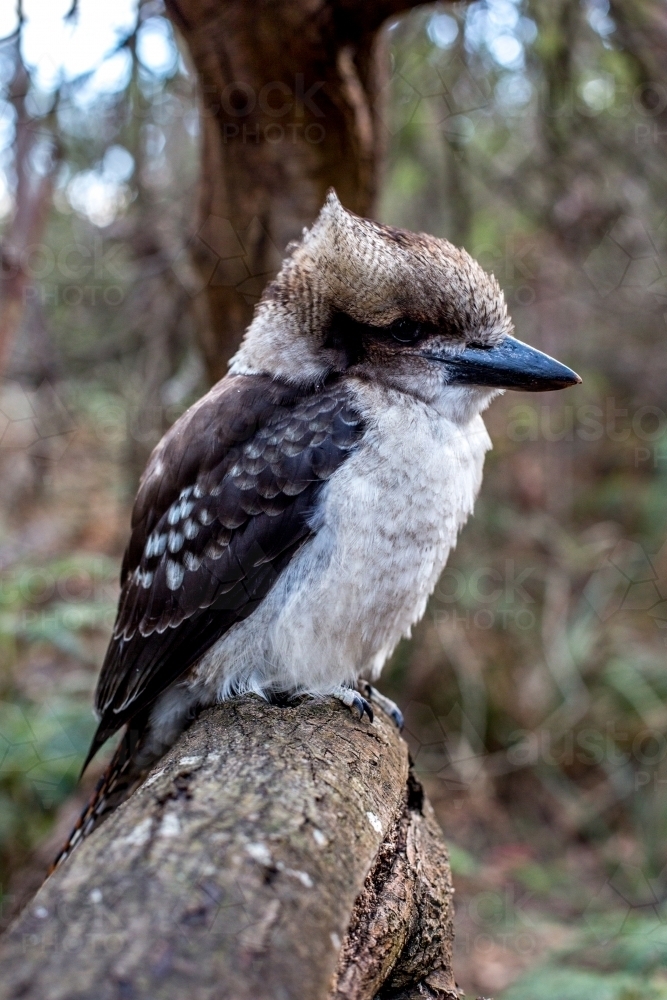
{"x": 406, "y": 331}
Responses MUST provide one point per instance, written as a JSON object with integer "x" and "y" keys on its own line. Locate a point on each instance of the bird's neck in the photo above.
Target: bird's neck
{"x": 275, "y": 344}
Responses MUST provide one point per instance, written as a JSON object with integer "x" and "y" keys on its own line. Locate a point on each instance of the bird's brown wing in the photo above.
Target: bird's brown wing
{"x": 224, "y": 504}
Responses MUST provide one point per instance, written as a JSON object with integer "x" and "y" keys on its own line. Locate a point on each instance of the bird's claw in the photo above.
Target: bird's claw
{"x": 353, "y": 700}
{"x": 386, "y": 704}
{"x": 363, "y": 706}
{"x": 397, "y": 717}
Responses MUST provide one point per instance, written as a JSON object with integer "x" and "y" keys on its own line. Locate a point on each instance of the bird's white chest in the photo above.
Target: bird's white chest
{"x": 390, "y": 517}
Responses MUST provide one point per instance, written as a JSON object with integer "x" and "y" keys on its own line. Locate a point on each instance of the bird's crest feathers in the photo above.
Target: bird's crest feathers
{"x": 376, "y": 275}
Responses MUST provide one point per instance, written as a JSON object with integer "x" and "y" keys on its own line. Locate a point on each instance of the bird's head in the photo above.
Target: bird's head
{"x": 405, "y": 309}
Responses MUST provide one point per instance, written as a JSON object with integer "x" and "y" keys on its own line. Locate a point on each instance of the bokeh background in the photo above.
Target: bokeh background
{"x": 534, "y": 133}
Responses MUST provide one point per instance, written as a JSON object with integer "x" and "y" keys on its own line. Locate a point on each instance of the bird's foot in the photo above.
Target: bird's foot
{"x": 386, "y": 704}
{"x": 354, "y": 700}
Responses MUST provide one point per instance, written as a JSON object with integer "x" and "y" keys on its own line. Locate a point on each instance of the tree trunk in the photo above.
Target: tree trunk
{"x": 32, "y": 203}
{"x": 292, "y": 103}
{"x": 273, "y": 853}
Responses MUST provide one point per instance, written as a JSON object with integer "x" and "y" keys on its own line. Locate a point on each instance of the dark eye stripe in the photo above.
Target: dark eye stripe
{"x": 352, "y": 337}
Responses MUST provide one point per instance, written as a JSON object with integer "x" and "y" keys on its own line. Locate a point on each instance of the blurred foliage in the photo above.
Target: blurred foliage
{"x": 603, "y": 965}
{"x": 49, "y": 612}
{"x": 535, "y": 693}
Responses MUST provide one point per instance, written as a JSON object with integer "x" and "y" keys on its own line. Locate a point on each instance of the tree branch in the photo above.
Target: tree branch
{"x": 273, "y": 853}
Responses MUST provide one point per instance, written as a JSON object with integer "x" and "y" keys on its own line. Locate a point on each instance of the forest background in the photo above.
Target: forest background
{"x": 532, "y": 132}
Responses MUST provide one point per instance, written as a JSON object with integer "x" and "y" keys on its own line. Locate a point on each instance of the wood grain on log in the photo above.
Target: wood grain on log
{"x": 273, "y": 853}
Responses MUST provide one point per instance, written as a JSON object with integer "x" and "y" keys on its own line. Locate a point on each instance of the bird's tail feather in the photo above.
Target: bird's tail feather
{"x": 119, "y": 780}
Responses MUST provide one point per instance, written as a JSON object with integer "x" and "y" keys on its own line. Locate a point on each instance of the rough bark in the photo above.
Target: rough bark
{"x": 273, "y": 853}
{"x": 293, "y": 102}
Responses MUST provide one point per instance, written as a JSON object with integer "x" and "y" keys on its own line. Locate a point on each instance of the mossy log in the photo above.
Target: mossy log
{"x": 272, "y": 854}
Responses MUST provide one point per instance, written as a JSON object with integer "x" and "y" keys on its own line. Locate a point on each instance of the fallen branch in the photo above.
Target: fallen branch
{"x": 273, "y": 853}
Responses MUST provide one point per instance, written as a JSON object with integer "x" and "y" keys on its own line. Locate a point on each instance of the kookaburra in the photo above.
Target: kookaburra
{"x": 290, "y": 527}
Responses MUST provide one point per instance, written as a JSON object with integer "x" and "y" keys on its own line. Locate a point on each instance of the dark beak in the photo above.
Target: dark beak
{"x": 509, "y": 365}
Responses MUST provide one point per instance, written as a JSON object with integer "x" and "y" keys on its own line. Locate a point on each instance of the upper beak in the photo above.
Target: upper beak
{"x": 510, "y": 365}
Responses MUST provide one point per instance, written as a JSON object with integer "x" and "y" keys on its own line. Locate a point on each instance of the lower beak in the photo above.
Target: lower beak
{"x": 509, "y": 365}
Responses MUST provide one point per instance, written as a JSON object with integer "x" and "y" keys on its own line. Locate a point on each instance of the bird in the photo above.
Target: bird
{"x": 290, "y": 527}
